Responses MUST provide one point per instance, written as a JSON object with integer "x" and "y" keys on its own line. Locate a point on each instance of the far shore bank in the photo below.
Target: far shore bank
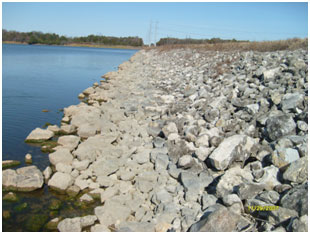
{"x": 82, "y": 45}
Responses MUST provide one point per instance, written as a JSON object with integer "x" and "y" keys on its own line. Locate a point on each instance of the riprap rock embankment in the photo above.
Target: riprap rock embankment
{"x": 187, "y": 140}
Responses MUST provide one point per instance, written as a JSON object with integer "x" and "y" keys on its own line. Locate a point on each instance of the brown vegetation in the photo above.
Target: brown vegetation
{"x": 264, "y": 46}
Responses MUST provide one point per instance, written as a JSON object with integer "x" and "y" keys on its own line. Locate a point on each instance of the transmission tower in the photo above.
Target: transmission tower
{"x": 150, "y": 33}
{"x": 155, "y": 34}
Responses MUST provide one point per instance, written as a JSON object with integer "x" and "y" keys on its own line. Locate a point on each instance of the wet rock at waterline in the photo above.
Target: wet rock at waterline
{"x": 39, "y": 135}
{"x": 24, "y": 179}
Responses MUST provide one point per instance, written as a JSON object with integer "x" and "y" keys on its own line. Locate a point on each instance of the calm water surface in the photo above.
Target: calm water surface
{"x": 44, "y": 77}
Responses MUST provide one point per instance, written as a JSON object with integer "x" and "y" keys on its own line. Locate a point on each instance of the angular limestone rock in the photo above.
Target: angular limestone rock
{"x": 60, "y": 181}
{"x": 39, "y": 135}
{"x": 24, "y": 179}
{"x": 224, "y": 154}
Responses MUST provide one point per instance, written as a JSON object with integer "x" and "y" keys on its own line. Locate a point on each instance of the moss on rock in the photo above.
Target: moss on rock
{"x": 55, "y": 204}
{"x": 35, "y": 222}
{"x": 11, "y": 197}
{"x": 21, "y": 207}
{"x": 6, "y": 214}
{"x": 10, "y": 163}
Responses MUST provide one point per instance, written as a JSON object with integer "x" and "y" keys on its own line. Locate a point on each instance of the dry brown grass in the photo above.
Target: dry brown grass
{"x": 264, "y": 46}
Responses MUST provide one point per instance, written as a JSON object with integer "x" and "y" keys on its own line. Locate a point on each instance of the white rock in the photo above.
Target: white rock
{"x": 269, "y": 74}
{"x": 269, "y": 179}
{"x": 86, "y": 198}
{"x": 252, "y": 109}
{"x": 105, "y": 166}
{"x": 112, "y": 212}
{"x": 75, "y": 173}
{"x": 68, "y": 129}
{"x": 60, "y": 181}
{"x": 233, "y": 177}
{"x": 80, "y": 165}
{"x": 62, "y": 167}
{"x": 70, "y": 142}
{"x": 86, "y": 130}
{"x": 104, "y": 181}
{"x": 82, "y": 184}
{"x": 127, "y": 175}
{"x": 93, "y": 185}
{"x": 173, "y": 137}
{"x": 81, "y": 96}
{"x": 203, "y": 152}
{"x": 142, "y": 156}
{"x": 185, "y": 161}
{"x": 61, "y": 155}
{"x": 65, "y": 119}
{"x": 39, "y": 134}
{"x": 89, "y": 91}
{"x": 108, "y": 193}
{"x": 23, "y": 179}
{"x": 88, "y": 220}
{"x": 167, "y": 98}
{"x": 47, "y": 172}
{"x": 70, "y": 225}
{"x": 224, "y": 154}
{"x": 202, "y": 141}
{"x": 170, "y": 128}
{"x": 53, "y": 128}
{"x": 28, "y": 158}
{"x": 99, "y": 228}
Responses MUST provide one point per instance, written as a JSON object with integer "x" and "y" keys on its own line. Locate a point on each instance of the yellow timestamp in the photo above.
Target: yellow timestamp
{"x": 263, "y": 208}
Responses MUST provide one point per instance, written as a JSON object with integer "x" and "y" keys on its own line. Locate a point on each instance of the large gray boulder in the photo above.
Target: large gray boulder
{"x": 24, "y": 179}
{"x": 39, "y": 135}
{"x": 270, "y": 177}
{"x": 291, "y": 100}
{"x": 296, "y": 199}
{"x": 297, "y": 171}
{"x": 225, "y": 153}
{"x": 284, "y": 156}
{"x": 233, "y": 178}
{"x": 279, "y": 126}
{"x": 217, "y": 218}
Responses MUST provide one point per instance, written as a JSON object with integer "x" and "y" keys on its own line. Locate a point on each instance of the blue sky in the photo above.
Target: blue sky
{"x": 243, "y": 21}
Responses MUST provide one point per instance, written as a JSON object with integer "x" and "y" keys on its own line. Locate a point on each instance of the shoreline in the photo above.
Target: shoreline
{"x": 151, "y": 150}
{"x": 81, "y": 45}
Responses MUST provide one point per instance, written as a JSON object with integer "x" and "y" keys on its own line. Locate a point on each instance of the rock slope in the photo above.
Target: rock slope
{"x": 187, "y": 140}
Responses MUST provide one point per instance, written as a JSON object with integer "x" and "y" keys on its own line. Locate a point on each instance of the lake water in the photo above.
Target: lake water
{"x": 37, "y": 77}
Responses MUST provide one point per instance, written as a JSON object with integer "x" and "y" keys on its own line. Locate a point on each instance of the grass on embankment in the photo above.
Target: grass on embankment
{"x": 83, "y": 45}
{"x": 263, "y": 46}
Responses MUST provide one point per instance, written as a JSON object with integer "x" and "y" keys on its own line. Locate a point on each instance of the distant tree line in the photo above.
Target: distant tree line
{"x": 54, "y": 39}
{"x": 175, "y": 41}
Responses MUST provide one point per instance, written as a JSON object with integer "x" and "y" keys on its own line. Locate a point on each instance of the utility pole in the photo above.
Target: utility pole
{"x": 155, "y": 34}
